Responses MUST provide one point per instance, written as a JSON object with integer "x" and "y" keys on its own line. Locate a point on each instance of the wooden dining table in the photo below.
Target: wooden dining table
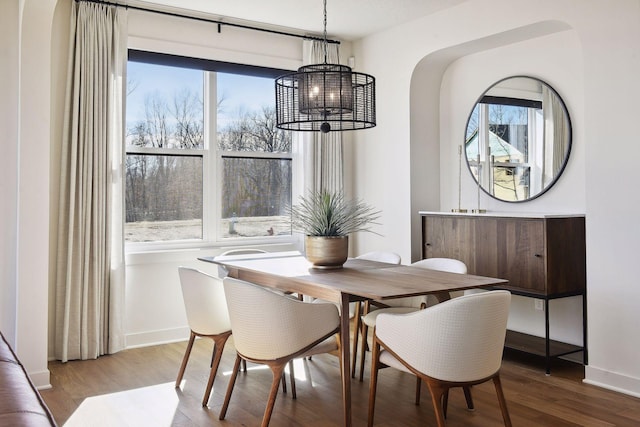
{"x": 358, "y": 280}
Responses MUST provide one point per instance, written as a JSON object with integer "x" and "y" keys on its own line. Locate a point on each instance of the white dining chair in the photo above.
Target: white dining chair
{"x": 207, "y": 317}
{"x": 381, "y": 256}
{"x": 457, "y": 343}
{"x": 243, "y": 251}
{"x": 403, "y": 305}
{"x": 237, "y": 251}
{"x": 222, "y": 273}
{"x": 272, "y": 329}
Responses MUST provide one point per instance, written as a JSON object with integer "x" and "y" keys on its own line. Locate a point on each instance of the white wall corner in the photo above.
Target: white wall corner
{"x": 149, "y": 338}
{"x": 612, "y": 381}
{"x": 41, "y": 379}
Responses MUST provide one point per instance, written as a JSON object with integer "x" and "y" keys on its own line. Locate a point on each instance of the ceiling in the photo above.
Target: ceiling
{"x": 346, "y": 19}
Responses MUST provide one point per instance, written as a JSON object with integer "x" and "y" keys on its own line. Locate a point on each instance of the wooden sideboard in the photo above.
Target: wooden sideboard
{"x": 542, "y": 256}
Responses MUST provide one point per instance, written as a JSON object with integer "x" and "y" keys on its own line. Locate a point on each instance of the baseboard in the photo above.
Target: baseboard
{"x": 41, "y": 379}
{"x": 165, "y": 336}
{"x": 612, "y": 381}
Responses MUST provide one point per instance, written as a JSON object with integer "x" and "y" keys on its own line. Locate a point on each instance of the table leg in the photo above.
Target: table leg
{"x": 356, "y": 334}
{"x": 344, "y": 359}
{"x": 442, "y": 296}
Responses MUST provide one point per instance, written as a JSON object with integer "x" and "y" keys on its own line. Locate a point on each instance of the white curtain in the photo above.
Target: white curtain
{"x": 323, "y": 154}
{"x": 90, "y": 256}
{"x": 556, "y": 135}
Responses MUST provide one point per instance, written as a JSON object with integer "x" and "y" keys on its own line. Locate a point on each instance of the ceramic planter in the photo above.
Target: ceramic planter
{"x": 327, "y": 252}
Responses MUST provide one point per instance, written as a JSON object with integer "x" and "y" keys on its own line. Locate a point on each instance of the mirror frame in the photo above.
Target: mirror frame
{"x": 567, "y": 152}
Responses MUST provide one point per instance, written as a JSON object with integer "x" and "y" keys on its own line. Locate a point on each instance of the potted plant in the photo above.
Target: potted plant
{"x": 327, "y": 218}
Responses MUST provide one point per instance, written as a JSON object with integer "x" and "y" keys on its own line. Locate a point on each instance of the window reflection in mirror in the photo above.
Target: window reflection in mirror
{"x": 518, "y": 139}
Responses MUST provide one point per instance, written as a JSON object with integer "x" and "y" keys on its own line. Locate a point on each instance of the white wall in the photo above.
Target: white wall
{"x": 9, "y": 77}
{"x": 59, "y": 77}
{"x": 25, "y": 106}
{"x": 557, "y": 60}
{"x": 587, "y": 51}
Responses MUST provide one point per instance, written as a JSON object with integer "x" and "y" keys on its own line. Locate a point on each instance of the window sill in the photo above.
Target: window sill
{"x": 188, "y": 251}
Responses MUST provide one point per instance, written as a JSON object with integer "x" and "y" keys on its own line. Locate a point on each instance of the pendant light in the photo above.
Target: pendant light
{"x": 325, "y": 97}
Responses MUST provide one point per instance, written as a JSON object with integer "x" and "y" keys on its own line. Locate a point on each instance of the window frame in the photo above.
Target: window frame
{"x": 212, "y": 156}
{"x": 486, "y": 167}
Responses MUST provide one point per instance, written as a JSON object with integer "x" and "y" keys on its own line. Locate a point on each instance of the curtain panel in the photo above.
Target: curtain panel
{"x": 556, "y": 135}
{"x": 90, "y": 256}
{"x": 323, "y": 152}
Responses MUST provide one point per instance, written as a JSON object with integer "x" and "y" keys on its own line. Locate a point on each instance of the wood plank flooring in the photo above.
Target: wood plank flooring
{"x": 136, "y": 388}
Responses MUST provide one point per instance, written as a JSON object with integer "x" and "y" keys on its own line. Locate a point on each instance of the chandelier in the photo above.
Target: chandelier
{"x": 325, "y": 97}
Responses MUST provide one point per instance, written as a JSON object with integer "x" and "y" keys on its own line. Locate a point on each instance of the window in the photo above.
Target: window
{"x": 204, "y": 160}
{"x": 508, "y": 129}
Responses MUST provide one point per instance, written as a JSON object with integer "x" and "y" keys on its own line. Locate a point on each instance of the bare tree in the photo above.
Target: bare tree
{"x": 255, "y": 186}
{"x": 165, "y": 187}
{"x": 187, "y": 112}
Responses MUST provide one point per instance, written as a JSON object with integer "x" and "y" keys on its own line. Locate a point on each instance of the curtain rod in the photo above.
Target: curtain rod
{"x": 213, "y": 21}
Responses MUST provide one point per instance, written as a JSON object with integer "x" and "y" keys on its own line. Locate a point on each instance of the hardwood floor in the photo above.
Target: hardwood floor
{"x": 136, "y": 388}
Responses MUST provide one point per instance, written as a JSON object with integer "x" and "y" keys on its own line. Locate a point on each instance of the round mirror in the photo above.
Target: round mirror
{"x": 518, "y": 139}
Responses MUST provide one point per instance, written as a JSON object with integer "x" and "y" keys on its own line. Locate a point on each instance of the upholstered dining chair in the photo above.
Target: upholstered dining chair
{"x": 381, "y": 256}
{"x": 207, "y": 317}
{"x": 243, "y": 251}
{"x": 403, "y": 305}
{"x": 457, "y": 343}
{"x": 272, "y": 329}
{"x": 237, "y": 251}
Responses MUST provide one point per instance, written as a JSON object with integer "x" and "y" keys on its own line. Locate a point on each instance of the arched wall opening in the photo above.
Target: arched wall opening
{"x": 435, "y": 134}
{"x": 445, "y": 86}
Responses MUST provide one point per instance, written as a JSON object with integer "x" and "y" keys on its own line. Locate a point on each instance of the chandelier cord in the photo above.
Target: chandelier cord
{"x": 325, "y": 31}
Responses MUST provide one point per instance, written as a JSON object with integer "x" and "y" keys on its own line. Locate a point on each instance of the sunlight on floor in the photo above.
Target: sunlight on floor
{"x": 154, "y": 405}
{"x": 299, "y": 367}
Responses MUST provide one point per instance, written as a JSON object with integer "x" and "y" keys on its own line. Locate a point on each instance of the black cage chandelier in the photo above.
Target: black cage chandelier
{"x": 325, "y": 97}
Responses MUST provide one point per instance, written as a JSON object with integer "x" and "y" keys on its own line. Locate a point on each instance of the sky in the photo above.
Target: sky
{"x": 143, "y": 79}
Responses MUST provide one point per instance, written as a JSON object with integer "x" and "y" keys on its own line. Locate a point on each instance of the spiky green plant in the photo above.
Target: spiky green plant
{"x": 325, "y": 213}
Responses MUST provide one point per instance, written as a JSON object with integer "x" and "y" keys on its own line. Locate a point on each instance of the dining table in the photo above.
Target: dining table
{"x": 358, "y": 280}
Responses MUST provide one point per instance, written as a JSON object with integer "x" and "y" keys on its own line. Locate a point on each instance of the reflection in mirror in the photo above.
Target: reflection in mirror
{"x": 518, "y": 139}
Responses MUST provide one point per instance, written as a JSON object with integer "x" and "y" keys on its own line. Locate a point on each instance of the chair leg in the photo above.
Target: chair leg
{"x": 418, "y": 389}
{"x": 232, "y": 382}
{"x": 185, "y": 359}
{"x": 502, "y": 401}
{"x": 468, "y": 398}
{"x": 356, "y": 334}
{"x": 292, "y": 377}
{"x": 339, "y": 343}
{"x": 437, "y": 398}
{"x": 277, "y": 371}
{"x": 363, "y": 349}
{"x": 445, "y": 403}
{"x": 218, "y": 346}
{"x": 373, "y": 382}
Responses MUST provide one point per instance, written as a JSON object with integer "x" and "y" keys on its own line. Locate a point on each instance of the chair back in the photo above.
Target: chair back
{"x": 458, "y": 340}
{"x": 238, "y": 251}
{"x": 450, "y": 265}
{"x": 242, "y": 251}
{"x": 267, "y": 325}
{"x": 204, "y": 302}
{"x": 381, "y": 256}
